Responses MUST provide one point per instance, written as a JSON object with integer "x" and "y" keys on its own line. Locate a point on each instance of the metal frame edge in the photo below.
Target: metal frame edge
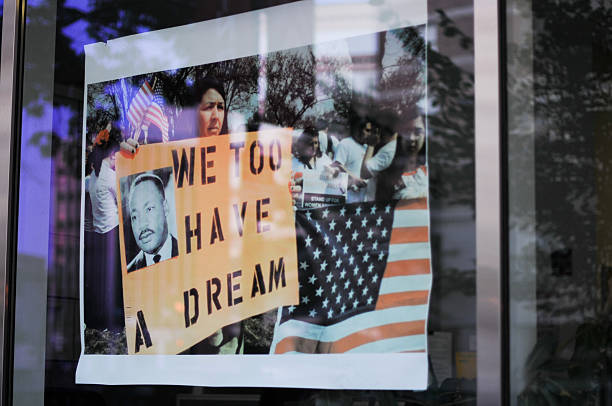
{"x": 10, "y": 74}
{"x": 489, "y": 222}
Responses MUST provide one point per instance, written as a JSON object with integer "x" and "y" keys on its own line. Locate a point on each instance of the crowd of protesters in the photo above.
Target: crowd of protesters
{"x": 382, "y": 154}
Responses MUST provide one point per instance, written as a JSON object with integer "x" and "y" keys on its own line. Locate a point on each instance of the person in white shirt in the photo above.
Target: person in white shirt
{"x": 103, "y": 291}
{"x": 307, "y": 155}
{"x": 103, "y": 194}
{"x": 328, "y": 143}
{"x": 349, "y": 157}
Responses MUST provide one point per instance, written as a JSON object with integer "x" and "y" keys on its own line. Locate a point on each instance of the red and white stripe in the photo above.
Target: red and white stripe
{"x": 140, "y": 105}
{"x": 407, "y": 279}
{"x": 156, "y": 116}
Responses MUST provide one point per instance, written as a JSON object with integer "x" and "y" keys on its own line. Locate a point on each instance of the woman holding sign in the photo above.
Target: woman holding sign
{"x": 211, "y": 117}
{"x": 204, "y": 115}
{"x": 204, "y": 112}
{"x": 211, "y": 110}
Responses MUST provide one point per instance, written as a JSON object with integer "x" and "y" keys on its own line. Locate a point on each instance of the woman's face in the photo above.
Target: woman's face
{"x": 415, "y": 134}
{"x": 310, "y": 147}
{"x": 211, "y": 113}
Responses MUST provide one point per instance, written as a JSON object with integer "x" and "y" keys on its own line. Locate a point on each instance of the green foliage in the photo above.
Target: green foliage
{"x": 105, "y": 342}
{"x": 258, "y": 332}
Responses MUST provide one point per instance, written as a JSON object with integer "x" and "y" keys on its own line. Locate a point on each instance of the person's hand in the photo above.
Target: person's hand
{"x": 216, "y": 338}
{"x": 295, "y": 186}
{"x": 332, "y": 171}
{"x": 335, "y": 169}
{"x": 297, "y": 180}
{"x": 129, "y": 146}
{"x": 357, "y": 183}
{"x": 373, "y": 139}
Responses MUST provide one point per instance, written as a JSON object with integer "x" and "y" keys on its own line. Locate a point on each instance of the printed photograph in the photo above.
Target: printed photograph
{"x": 149, "y": 219}
{"x": 357, "y": 108}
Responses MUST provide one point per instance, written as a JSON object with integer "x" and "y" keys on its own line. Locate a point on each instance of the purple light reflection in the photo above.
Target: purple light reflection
{"x": 34, "y": 184}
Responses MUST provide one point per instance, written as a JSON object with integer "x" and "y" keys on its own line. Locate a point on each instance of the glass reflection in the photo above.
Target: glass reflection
{"x": 559, "y": 168}
{"x": 50, "y": 168}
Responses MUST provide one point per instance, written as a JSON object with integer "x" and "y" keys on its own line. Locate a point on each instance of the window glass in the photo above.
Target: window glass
{"x": 1, "y": 15}
{"x": 50, "y": 227}
{"x": 558, "y": 176}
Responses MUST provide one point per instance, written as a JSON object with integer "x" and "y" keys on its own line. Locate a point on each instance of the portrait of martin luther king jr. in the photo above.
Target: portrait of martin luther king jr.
{"x": 148, "y": 213}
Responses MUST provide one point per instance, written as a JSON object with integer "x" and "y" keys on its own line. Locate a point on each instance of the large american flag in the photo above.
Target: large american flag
{"x": 365, "y": 277}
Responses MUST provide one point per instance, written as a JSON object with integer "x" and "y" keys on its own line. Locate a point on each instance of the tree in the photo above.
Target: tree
{"x": 290, "y": 90}
{"x": 239, "y": 79}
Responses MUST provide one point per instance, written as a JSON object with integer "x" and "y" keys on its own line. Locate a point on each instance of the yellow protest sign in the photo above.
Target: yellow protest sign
{"x": 207, "y": 236}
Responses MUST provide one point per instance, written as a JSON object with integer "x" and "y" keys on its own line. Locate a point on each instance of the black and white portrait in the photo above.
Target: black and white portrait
{"x": 149, "y": 220}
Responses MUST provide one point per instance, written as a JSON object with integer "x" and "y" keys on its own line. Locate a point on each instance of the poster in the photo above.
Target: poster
{"x": 271, "y": 228}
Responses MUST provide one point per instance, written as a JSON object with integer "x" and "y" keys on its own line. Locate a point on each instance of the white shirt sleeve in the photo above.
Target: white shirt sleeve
{"x": 342, "y": 153}
{"x": 383, "y": 158}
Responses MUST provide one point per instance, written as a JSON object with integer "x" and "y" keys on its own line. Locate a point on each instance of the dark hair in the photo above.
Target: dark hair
{"x": 148, "y": 177}
{"x": 357, "y": 121}
{"x": 192, "y": 102}
{"x": 309, "y": 132}
{"x": 104, "y": 146}
{"x": 365, "y": 110}
{"x": 321, "y": 124}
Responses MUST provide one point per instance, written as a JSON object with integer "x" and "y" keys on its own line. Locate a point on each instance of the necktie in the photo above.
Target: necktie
{"x": 156, "y": 258}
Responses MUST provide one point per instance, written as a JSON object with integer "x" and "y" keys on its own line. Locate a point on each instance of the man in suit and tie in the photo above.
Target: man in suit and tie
{"x": 148, "y": 211}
